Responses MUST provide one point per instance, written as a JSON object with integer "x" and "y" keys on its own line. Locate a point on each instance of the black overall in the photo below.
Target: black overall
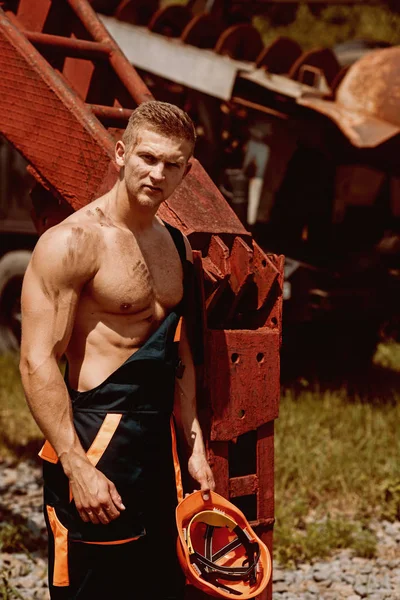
{"x": 137, "y": 399}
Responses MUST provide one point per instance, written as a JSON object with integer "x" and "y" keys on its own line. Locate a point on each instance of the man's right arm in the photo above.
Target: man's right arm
{"x": 61, "y": 264}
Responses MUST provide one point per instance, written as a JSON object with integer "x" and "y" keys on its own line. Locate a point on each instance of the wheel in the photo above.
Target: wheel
{"x": 12, "y": 269}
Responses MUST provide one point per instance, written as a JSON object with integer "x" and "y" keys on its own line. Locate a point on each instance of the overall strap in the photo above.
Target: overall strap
{"x": 191, "y": 297}
{"x": 179, "y": 242}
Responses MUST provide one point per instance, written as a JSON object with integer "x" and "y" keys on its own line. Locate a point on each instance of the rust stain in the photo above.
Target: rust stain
{"x": 372, "y": 85}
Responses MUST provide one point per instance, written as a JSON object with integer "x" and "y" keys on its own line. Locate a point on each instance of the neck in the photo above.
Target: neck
{"x": 126, "y": 211}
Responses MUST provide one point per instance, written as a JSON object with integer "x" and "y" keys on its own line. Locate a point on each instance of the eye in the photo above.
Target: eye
{"x": 172, "y": 165}
{"x": 148, "y": 158}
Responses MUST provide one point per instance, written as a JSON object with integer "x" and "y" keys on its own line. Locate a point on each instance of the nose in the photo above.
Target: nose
{"x": 157, "y": 172}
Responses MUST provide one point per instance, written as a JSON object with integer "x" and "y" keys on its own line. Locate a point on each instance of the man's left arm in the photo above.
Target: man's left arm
{"x": 185, "y": 411}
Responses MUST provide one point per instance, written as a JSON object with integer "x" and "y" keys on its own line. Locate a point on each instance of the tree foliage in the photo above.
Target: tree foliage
{"x": 333, "y": 25}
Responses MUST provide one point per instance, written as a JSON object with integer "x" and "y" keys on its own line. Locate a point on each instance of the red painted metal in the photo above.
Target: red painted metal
{"x": 113, "y": 116}
{"x": 170, "y": 20}
{"x": 237, "y": 358}
{"x": 122, "y": 67}
{"x": 367, "y": 99}
{"x": 266, "y": 273}
{"x": 265, "y": 496}
{"x": 39, "y": 116}
{"x": 135, "y": 11}
{"x": 323, "y": 58}
{"x": 197, "y": 206}
{"x": 241, "y": 41}
{"x": 202, "y": 31}
{"x": 279, "y": 56}
{"x": 243, "y": 486}
{"x": 69, "y": 46}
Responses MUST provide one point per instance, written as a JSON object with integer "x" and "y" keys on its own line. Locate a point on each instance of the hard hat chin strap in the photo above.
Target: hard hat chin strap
{"x": 210, "y": 571}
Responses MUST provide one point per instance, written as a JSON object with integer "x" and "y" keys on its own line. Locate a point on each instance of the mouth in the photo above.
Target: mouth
{"x": 151, "y": 188}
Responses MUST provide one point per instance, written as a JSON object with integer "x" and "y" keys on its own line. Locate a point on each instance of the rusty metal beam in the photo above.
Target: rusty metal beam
{"x": 243, "y": 486}
{"x": 69, "y": 46}
{"x": 128, "y": 76}
{"x": 111, "y": 116}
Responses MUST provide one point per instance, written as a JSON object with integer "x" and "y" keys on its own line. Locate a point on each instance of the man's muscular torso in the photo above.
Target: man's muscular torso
{"x": 98, "y": 285}
{"x": 137, "y": 279}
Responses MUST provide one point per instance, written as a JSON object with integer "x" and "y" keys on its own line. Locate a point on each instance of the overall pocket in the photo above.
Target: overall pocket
{"x": 112, "y": 444}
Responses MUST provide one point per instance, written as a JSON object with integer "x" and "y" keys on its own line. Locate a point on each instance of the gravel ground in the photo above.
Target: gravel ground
{"x": 23, "y": 574}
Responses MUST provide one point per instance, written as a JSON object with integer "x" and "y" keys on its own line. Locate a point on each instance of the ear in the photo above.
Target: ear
{"x": 187, "y": 169}
{"x": 120, "y": 153}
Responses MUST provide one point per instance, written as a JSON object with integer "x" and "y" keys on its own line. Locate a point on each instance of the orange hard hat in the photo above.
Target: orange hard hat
{"x": 218, "y": 550}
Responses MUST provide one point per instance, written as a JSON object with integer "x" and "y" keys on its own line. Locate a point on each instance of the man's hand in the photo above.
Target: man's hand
{"x": 200, "y": 470}
{"x": 96, "y": 497}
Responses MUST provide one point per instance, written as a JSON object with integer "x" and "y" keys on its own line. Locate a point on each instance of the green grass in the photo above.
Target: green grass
{"x": 335, "y": 24}
{"x": 336, "y": 461}
{"x": 20, "y": 436}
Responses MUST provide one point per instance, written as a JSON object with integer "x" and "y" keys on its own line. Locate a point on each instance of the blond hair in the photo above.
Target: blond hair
{"x": 161, "y": 117}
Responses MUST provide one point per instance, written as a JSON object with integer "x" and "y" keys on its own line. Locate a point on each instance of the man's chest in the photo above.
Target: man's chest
{"x": 134, "y": 278}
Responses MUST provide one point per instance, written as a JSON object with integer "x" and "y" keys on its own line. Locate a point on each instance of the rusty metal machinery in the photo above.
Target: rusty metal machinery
{"x": 303, "y": 149}
{"x": 66, "y": 92}
{"x": 227, "y": 12}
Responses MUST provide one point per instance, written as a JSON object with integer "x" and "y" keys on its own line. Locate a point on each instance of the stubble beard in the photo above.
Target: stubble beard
{"x": 147, "y": 201}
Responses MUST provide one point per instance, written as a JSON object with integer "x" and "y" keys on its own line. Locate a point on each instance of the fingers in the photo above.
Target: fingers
{"x": 116, "y": 498}
{"x": 103, "y": 513}
{"x": 205, "y": 491}
{"x": 88, "y": 516}
{"x": 102, "y": 508}
{"x": 207, "y": 484}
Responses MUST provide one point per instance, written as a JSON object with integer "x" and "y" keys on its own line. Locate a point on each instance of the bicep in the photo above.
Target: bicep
{"x": 49, "y": 300}
{"x": 48, "y": 311}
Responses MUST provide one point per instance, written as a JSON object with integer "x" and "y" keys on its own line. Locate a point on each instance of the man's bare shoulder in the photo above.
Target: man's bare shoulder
{"x": 70, "y": 249}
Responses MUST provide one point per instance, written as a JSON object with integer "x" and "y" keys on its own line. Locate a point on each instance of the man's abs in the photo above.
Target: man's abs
{"x": 117, "y": 313}
{"x": 99, "y": 346}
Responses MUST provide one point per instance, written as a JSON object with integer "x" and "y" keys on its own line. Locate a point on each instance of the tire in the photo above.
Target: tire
{"x": 12, "y": 269}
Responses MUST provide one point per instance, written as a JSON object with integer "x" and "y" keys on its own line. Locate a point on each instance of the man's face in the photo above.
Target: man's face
{"x": 153, "y": 167}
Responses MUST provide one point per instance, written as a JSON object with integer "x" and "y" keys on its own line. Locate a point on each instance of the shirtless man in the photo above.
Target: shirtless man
{"x": 105, "y": 287}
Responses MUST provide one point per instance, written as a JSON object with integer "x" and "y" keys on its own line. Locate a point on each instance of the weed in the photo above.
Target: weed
{"x": 7, "y": 591}
{"x": 388, "y": 356}
{"x": 11, "y": 537}
{"x": 391, "y": 499}
{"x": 318, "y": 539}
{"x": 18, "y": 535}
